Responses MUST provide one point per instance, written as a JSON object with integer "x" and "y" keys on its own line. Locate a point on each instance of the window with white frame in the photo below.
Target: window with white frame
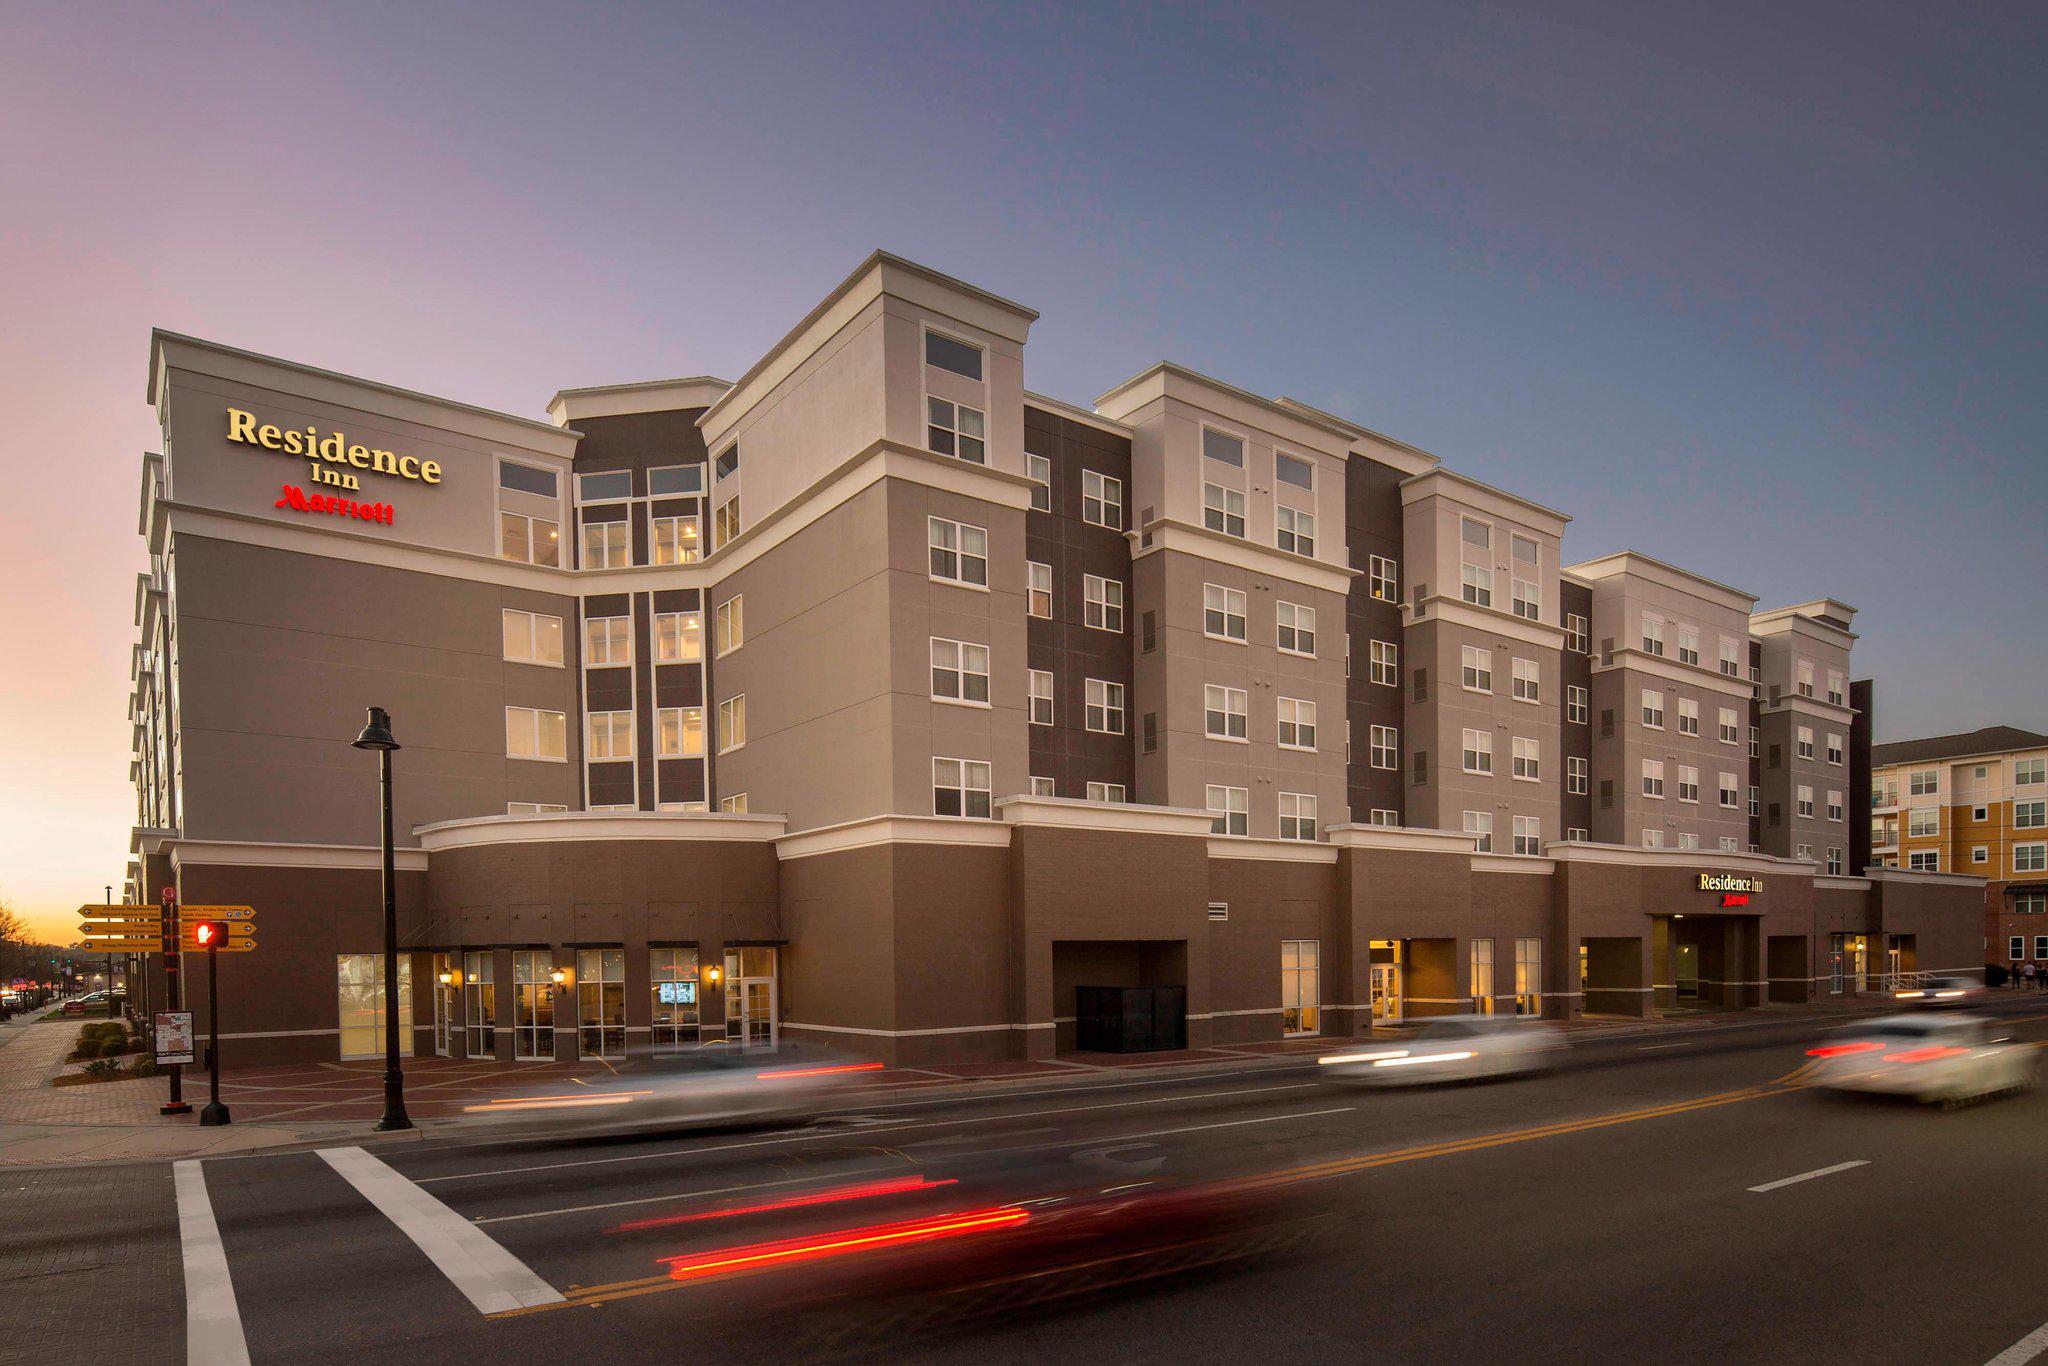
{"x": 733, "y": 805}
{"x": 959, "y": 671}
{"x": 2027, "y": 772}
{"x": 1108, "y": 792}
{"x": 1223, "y": 612}
{"x": 678, "y": 637}
{"x": 1476, "y": 585}
{"x": 1755, "y": 741}
{"x": 675, "y": 539}
{"x": 1755, "y": 800}
{"x": 1980, "y": 854}
{"x": 1688, "y": 716}
{"x": 1223, "y": 447}
{"x": 1577, "y": 633}
{"x": 1731, "y": 791}
{"x": 2030, "y": 858}
{"x": 1688, "y": 840}
{"x": 676, "y": 481}
{"x": 1294, "y": 628}
{"x": 529, "y": 540}
{"x": 1575, "y": 775}
{"x": 1294, "y": 530}
{"x": 1223, "y": 712}
{"x": 1038, "y": 588}
{"x": 1479, "y": 825}
{"x": 1102, "y": 603}
{"x": 1804, "y": 676}
{"x": 532, "y": 637}
{"x": 532, "y": 733}
{"x": 1386, "y": 816}
{"x": 1729, "y": 844}
{"x": 2031, "y": 815}
{"x": 1653, "y": 839}
{"x": 534, "y": 808}
{"x": 1653, "y": 778}
{"x": 1528, "y": 686}
{"x": 1386, "y": 663}
{"x": 2016, "y": 947}
{"x": 949, "y": 353}
{"x": 1804, "y": 797}
{"x": 1924, "y": 861}
{"x": 1386, "y": 747}
{"x": 1041, "y": 697}
{"x": 960, "y": 787}
{"x": 957, "y": 430}
{"x": 1731, "y": 732}
{"x": 1041, "y": 787}
{"x": 1103, "y": 706}
{"x": 1297, "y": 723}
{"x": 1478, "y": 669}
{"x": 1297, "y": 816}
{"x": 1653, "y": 709}
{"x": 1478, "y": 751}
{"x": 609, "y": 735}
{"x": 679, "y": 732}
{"x": 729, "y": 630}
{"x": 959, "y": 552}
{"x": 1528, "y": 836}
{"x": 1575, "y": 703}
{"x": 1805, "y": 742}
{"x": 607, "y": 641}
{"x": 1923, "y": 782}
{"x": 1383, "y": 579}
{"x": 1292, "y": 469}
{"x": 732, "y": 723}
{"x": 1835, "y": 811}
{"x": 1834, "y": 749}
{"x": 1653, "y": 635}
{"x": 1527, "y": 759}
{"x": 1834, "y": 863}
{"x": 1688, "y": 644}
{"x": 1038, "y": 470}
{"x": 1229, "y": 811}
{"x": 1223, "y": 509}
{"x": 1688, "y": 783}
{"x": 607, "y": 545}
{"x": 1527, "y": 601}
{"x": 1835, "y": 693}
{"x": 1102, "y": 500}
{"x": 1731, "y": 661}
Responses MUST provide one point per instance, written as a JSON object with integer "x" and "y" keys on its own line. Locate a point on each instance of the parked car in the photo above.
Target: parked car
{"x": 1942, "y": 993}
{"x": 87, "y": 1004}
{"x": 1945, "y": 1059}
{"x": 1452, "y": 1050}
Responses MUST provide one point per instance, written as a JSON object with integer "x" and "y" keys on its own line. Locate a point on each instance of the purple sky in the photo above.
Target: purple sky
{"x": 1756, "y": 289}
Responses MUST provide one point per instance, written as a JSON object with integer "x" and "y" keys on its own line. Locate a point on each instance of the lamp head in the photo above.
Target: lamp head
{"x": 376, "y": 732}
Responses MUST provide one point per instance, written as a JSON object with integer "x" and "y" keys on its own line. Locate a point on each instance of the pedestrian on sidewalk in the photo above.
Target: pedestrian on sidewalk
{"x": 2032, "y": 975}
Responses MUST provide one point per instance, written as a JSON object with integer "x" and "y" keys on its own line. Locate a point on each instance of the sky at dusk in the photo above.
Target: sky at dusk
{"x": 1757, "y": 289}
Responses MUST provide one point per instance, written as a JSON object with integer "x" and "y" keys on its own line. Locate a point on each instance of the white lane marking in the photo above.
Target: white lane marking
{"x": 213, "y": 1322}
{"x": 2023, "y": 1351}
{"x": 1808, "y": 1176}
{"x": 492, "y": 1278}
{"x": 673, "y": 1196}
{"x": 1653, "y": 1047}
{"x": 845, "y": 1134}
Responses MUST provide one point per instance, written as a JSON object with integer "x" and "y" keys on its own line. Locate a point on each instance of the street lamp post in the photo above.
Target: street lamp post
{"x": 377, "y": 735}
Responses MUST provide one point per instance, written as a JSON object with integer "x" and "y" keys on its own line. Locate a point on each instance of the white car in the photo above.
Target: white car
{"x": 703, "y": 1087}
{"x": 1451, "y": 1050}
{"x": 1942, "y": 993}
{"x": 1930, "y": 1058}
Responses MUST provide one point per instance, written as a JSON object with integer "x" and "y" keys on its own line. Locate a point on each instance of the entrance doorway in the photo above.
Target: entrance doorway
{"x": 1848, "y": 963}
{"x": 750, "y": 1006}
{"x": 533, "y": 1005}
{"x": 1386, "y": 980}
{"x": 1481, "y": 985}
{"x": 1685, "y": 970}
{"x": 444, "y": 1005}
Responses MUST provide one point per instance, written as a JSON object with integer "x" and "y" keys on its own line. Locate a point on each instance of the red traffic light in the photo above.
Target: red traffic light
{"x": 207, "y": 933}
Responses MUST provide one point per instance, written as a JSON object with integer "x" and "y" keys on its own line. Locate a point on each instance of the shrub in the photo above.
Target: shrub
{"x": 144, "y": 1066}
{"x": 112, "y": 1048}
{"x": 103, "y": 1067}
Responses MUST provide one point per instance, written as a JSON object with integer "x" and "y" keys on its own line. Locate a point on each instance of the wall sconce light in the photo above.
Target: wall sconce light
{"x": 712, "y": 974}
{"x": 447, "y": 979}
{"x": 559, "y": 976}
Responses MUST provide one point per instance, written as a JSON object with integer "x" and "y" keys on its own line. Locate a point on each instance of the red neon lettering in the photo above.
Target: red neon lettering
{"x": 298, "y": 500}
{"x": 1734, "y": 899}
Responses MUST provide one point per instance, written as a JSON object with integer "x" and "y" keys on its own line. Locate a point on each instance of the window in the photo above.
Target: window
{"x": 1478, "y": 669}
{"x": 1386, "y": 745}
{"x": 1653, "y": 839}
{"x": 2030, "y": 903}
{"x": 2030, "y": 858}
{"x": 1575, "y": 703}
{"x": 1688, "y": 716}
{"x": 1479, "y": 825}
{"x": 680, "y": 732}
{"x": 1834, "y": 806}
{"x": 1835, "y": 696}
{"x": 2029, "y": 771}
{"x": 729, "y": 631}
{"x": 676, "y": 481}
{"x": 1731, "y": 791}
{"x": 533, "y": 808}
{"x": 1688, "y": 840}
{"x": 1383, "y": 816}
{"x": 1528, "y": 603}
{"x": 1528, "y": 686}
{"x": 610, "y": 734}
{"x": 1755, "y": 741}
{"x": 725, "y": 522}
{"x": 1223, "y": 448}
{"x": 1038, "y": 588}
{"x": 1528, "y": 836}
{"x": 1294, "y": 628}
{"x": 2016, "y": 947}
{"x": 532, "y": 734}
{"x": 1653, "y": 778}
{"x": 1755, "y": 804}
{"x": 1653, "y": 709}
{"x": 1980, "y": 813}
{"x": 1805, "y": 742}
{"x": 1102, "y": 500}
{"x": 607, "y": 641}
{"x": 1038, "y": 470}
{"x": 360, "y": 984}
{"x": 1386, "y": 663}
{"x": 1297, "y": 724}
{"x": 1103, "y": 603}
{"x": 1223, "y": 712}
{"x": 1804, "y": 798}
{"x": 1804, "y": 672}
{"x": 1577, "y": 633}
{"x": 959, "y": 671}
{"x": 1289, "y": 469}
{"x": 529, "y": 540}
{"x": 1478, "y": 586}
{"x": 1104, "y": 707}
{"x": 532, "y": 637}
{"x": 1222, "y": 612}
{"x": 1383, "y": 581}
{"x": 1223, "y": 509}
{"x": 607, "y": 545}
{"x": 1731, "y": 663}
{"x": 675, "y": 539}
{"x": 732, "y": 723}
{"x": 957, "y": 356}
{"x": 1980, "y": 854}
{"x": 1924, "y": 861}
{"x": 1295, "y": 530}
{"x": 1041, "y": 787}
{"x": 957, "y": 430}
{"x": 1923, "y": 782}
{"x": 1300, "y": 986}
{"x": 1041, "y": 697}
{"x": 2030, "y": 815}
{"x": 1229, "y": 810}
{"x": 1527, "y": 760}
{"x": 1477, "y": 537}
{"x": 1107, "y": 792}
{"x": 1478, "y": 752}
{"x": 1297, "y": 816}
{"x": 526, "y": 479}
{"x": 1421, "y": 775}
{"x": 1688, "y": 645}
{"x": 678, "y": 637}
{"x": 1730, "y": 732}
{"x": 601, "y": 1002}
{"x": 735, "y": 805}
{"x": 1653, "y": 635}
{"x": 1728, "y": 843}
{"x": 1688, "y": 783}
{"x": 960, "y": 787}
{"x": 1575, "y": 775}
{"x": 675, "y": 1007}
{"x": 959, "y": 552}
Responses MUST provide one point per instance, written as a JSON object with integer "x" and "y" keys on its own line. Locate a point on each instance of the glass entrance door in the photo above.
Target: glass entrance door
{"x": 533, "y": 1005}
{"x": 1528, "y": 976}
{"x": 750, "y": 997}
{"x": 1386, "y": 992}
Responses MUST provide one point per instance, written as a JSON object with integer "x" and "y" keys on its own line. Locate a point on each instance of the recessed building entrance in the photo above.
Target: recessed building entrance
{"x": 1386, "y": 981}
{"x": 1080, "y": 963}
{"x": 750, "y": 991}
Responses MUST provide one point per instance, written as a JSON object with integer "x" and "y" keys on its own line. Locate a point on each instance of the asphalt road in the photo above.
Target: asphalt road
{"x": 1603, "y": 1212}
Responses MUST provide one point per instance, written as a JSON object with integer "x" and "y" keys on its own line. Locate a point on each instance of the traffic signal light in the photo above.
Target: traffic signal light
{"x": 208, "y": 933}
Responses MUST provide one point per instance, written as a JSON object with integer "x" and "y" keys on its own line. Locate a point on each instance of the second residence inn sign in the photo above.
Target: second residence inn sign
{"x": 333, "y": 460}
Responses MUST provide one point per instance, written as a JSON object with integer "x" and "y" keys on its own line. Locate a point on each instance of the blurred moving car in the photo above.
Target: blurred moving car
{"x": 86, "y": 1004}
{"x": 1947, "y": 1059}
{"x": 1942, "y": 993}
{"x": 716, "y": 1085}
{"x": 1456, "y": 1049}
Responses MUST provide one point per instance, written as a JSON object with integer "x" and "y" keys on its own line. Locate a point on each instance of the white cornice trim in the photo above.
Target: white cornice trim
{"x": 1790, "y": 621}
{"x": 1702, "y": 860}
{"x": 1159, "y": 380}
{"x": 1635, "y": 564}
{"x": 1513, "y": 863}
{"x": 1842, "y": 884}
{"x": 1187, "y": 539}
{"x": 1493, "y": 621}
{"x": 965, "y": 831}
{"x": 1630, "y": 659}
{"x": 1388, "y": 450}
{"x": 1916, "y": 875}
{"x": 213, "y": 853}
{"x": 1466, "y": 491}
{"x": 1416, "y": 839}
{"x": 1270, "y": 851}
{"x": 1072, "y": 813}
{"x": 556, "y": 827}
{"x": 1807, "y": 706}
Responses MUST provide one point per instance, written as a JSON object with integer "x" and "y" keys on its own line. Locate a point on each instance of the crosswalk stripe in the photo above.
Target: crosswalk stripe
{"x": 492, "y": 1278}
{"x": 213, "y": 1322}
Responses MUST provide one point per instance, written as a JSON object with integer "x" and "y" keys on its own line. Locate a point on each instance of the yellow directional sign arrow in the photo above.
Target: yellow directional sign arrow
{"x": 123, "y": 945}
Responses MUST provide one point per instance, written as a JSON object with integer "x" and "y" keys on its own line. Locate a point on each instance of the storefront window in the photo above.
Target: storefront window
{"x": 673, "y": 977}
{"x": 480, "y": 1004}
{"x": 601, "y": 1002}
{"x": 533, "y": 1005}
{"x": 360, "y": 980}
{"x": 1300, "y": 986}
{"x": 1528, "y": 976}
{"x": 1482, "y": 976}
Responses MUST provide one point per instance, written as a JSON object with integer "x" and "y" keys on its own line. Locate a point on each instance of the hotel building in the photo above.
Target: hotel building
{"x": 875, "y": 699}
{"x": 1975, "y": 803}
